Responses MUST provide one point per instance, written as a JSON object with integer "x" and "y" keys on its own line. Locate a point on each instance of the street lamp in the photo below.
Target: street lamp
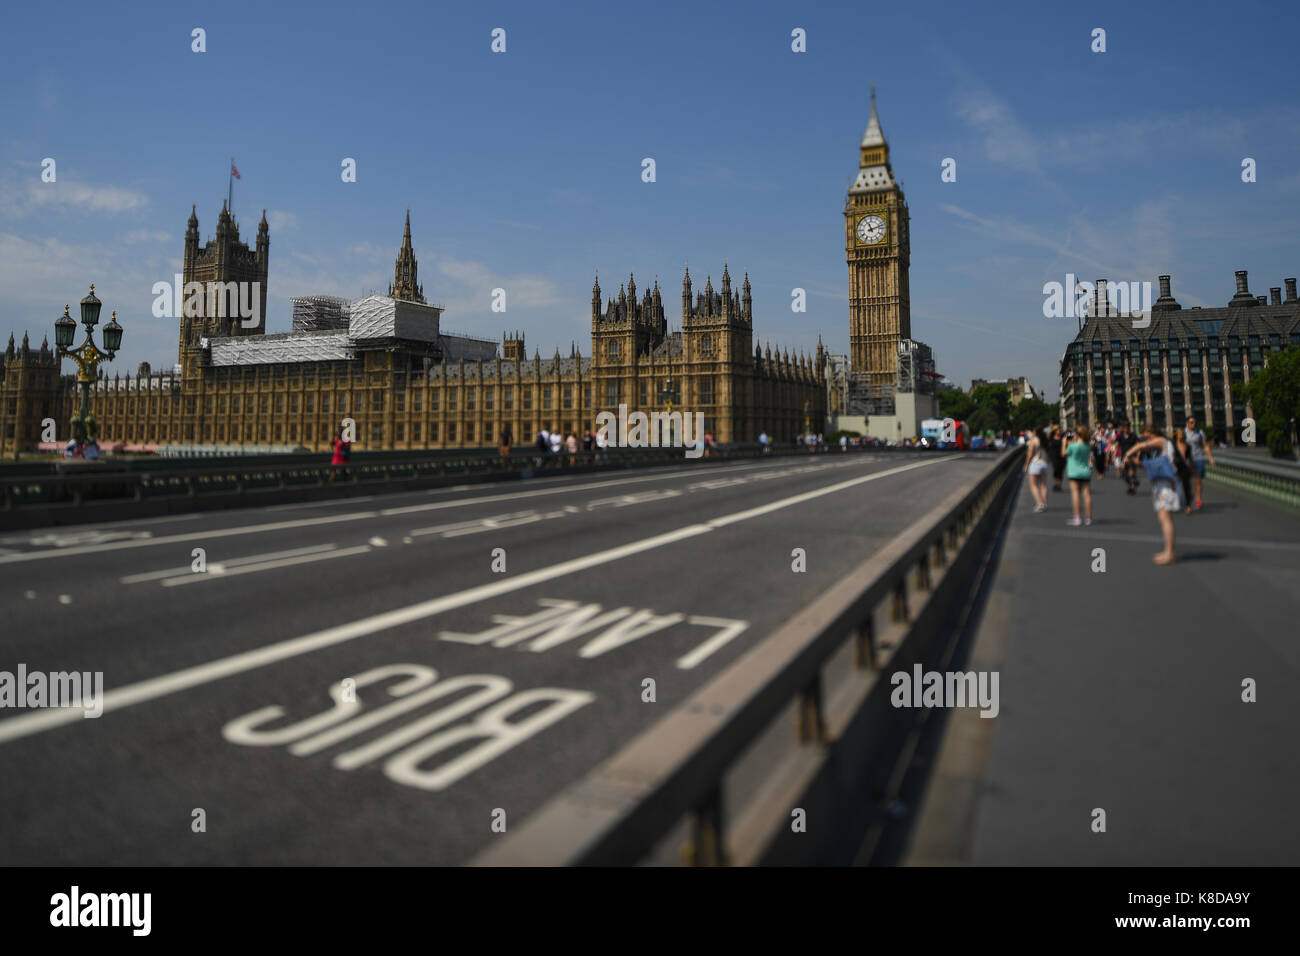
{"x": 87, "y": 356}
{"x": 667, "y": 395}
{"x": 1135, "y": 376}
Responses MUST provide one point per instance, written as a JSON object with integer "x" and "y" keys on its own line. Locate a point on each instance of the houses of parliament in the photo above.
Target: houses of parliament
{"x": 385, "y": 362}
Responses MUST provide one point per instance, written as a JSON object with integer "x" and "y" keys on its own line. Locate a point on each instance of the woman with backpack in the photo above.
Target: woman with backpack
{"x": 1156, "y": 452}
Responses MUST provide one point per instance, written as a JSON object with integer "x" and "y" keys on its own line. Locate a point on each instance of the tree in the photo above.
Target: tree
{"x": 1274, "y": 396}
{"x": 956, "y": 404}
{"x": 983, "y": 420}
{"x": 1030, "y": 414}
{"x": 997, "y": 400}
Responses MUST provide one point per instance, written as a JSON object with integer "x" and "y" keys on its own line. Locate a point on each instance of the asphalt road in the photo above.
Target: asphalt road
{"x": 351, "y": 682}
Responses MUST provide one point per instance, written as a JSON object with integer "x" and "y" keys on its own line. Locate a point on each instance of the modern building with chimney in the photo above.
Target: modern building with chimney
{"x": 1175, "y": 363}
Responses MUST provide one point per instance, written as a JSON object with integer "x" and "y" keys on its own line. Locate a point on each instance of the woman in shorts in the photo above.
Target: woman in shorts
{"x": 1037, "y": 464}
{"x": 1078, "y": 468}
{"x": 1166, "y": 497}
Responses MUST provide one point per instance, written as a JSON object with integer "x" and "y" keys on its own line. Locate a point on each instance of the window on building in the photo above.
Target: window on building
{"x": 221, "y": 404}
{"x": 293, "y": 402}
{"x": 279, "y": 432}
{"x": 612, "y": 350}
{"x": 417, "y": 400}
{"x": 568, "y": 396}
{"x": 527, "y": 395}
{"x": 586, "y": 397}
{"x": 415, "y": 431}
{"x": 508, "y": 397}
{"x": 399, "y": 398}
{"x": 469, "y": 431}
{"x": 471, "y": 395}
{"x": 451, "y": 400}
{"x": 399, "y": 431}
{"x": 433, "y": 431}
{"x": 706, "y": 345}
{"x": 706, "y": 390}
{"x": 377, "y": 433}
{"x": 546, "y": 396}
{"x": 611, "y": 395}
{"x": 293, "y": 431}
{"x": 376, "y": 401}
{"x": 489, "y": 398}
{"x": 451, "y": 431}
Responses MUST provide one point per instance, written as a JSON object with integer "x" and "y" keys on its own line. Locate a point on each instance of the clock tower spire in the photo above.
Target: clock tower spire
{"x": 878, "y": 254}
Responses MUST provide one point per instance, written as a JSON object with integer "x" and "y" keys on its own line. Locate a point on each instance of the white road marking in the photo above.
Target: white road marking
{"x": 187, "y": 678}
{"x": 351, "y": 516}
{"x": 193, "y": 536}
{"x": 228, "y": 572}
{"x": 730, "y": 629}
{"x": 1095, "y": 535}
{"x": 229, "y": 562}
{"x": 493, "y": 523}
{"x": 622, "y": 501}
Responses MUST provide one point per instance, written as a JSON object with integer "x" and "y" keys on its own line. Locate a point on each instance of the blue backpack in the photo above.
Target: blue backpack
{"x": 1160, "y": 467}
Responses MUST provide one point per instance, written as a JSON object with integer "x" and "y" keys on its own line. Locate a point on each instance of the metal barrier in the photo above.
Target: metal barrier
{"x": 889, "y": 612}
{"x": 1277, "y": 481}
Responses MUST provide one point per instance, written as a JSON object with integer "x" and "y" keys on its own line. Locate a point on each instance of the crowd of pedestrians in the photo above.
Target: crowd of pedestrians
{"x": 1173, "y": 464}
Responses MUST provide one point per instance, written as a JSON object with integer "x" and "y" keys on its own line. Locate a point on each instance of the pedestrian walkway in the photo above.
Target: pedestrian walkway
{"x": 1121, "y": 690}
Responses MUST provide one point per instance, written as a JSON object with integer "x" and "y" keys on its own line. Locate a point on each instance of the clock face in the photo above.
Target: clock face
{"x": 871, "y": 229}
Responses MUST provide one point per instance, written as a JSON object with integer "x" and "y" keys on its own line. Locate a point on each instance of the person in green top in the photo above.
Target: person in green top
{"x": 1078, "y": 468}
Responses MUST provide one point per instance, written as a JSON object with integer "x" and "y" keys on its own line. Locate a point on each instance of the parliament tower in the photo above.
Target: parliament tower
{"x": 878, "y": 254}
{"x": 406, "y": 283}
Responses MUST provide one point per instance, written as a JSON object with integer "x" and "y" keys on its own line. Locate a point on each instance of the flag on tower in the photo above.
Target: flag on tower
{"x": 234, "y": 171}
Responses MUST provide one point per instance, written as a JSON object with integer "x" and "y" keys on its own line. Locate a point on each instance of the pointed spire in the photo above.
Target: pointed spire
{"x": 874, "y": 136}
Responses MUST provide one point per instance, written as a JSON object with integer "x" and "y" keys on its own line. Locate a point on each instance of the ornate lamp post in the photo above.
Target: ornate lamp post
{"x": 87, "y": 356}
{"x": 667, "y": 395}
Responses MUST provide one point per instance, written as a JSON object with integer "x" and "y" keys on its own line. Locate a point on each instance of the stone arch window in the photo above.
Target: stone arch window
{"x": 706, "y": 345}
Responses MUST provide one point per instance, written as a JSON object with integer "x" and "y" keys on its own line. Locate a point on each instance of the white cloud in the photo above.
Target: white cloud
{"x": 278, "y": 219}
{"x": 84, "y": 196}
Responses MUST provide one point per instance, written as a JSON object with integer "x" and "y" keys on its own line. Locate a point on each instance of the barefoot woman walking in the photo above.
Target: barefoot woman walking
{"x": 1166, "y": 497}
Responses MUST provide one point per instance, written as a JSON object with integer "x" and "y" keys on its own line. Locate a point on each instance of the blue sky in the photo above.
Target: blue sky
{"x": 523, "y": 170}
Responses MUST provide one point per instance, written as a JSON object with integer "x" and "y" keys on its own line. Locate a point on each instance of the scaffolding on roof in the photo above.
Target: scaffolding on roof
{"x": 318, "y": 313}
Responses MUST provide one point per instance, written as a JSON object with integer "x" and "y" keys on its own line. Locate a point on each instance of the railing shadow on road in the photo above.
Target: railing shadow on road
{"x": 828, "y": 667}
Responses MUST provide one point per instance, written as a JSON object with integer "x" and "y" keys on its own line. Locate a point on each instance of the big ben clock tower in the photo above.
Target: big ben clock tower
{"x": 876, "y": 247}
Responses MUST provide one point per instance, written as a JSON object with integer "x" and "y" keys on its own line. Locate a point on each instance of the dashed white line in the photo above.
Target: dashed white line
{"x": 26, "y": 725}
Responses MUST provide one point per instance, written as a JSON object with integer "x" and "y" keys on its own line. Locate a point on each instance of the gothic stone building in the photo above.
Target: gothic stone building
{"x": 386, "y": 363}
{"x": 1187, "y": 362}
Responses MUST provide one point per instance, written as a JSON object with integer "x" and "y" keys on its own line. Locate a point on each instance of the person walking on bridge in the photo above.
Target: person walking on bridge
{"x": 1201, "y": 453}
{"x": 1165, "y": 495}
{"x": 1037, "y": 464}
{"x": 1079, "y": 471}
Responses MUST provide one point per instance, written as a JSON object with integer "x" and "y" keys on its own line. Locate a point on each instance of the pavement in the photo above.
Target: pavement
{"x": 398, "y": 679}
{"x": 1122, "y": 691}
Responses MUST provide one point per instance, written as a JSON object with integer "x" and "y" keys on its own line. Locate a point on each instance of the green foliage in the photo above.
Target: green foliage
{"x": 1031, "y": 413}
{"x": 983, "y": 420}
{"x": 997, "y": 399}
{"x": 1274, "y": 396}
{"x": 954, "y": 403}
